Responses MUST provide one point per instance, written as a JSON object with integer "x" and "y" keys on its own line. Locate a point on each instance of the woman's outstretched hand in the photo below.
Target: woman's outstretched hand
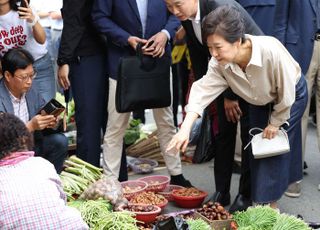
{"x": 181, "y": 139}
{"x": 178, "y": 142}
{"x": 270, "y": 131}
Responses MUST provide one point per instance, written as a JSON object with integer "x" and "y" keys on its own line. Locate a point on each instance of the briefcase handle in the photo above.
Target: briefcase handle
{"x": 148, "y": 63}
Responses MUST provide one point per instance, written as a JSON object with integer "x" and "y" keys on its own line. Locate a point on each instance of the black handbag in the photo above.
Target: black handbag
{"x": 143, "y": 82}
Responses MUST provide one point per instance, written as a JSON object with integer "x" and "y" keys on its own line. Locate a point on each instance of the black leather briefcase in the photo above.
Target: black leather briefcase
{"x": 143, "y": 82}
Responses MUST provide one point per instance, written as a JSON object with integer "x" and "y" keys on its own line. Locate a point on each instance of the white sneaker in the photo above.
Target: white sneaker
{"x": 319, "y": 187}
{"x": 294, "y": 190}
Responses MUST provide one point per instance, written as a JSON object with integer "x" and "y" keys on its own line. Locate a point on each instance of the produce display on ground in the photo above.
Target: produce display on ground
{"x": 102, "y": 205}
{"x": 266, "y": 218}
{"x": 149, "y": 198}
{"x": 77, "y": 175}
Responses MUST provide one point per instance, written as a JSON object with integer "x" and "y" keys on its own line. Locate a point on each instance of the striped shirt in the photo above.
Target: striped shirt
{"x": 20, "y": 107}
{"x": 31, "y": 197}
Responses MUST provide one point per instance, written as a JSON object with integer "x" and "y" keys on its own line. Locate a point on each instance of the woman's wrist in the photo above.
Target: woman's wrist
{"x": 35, "y": 20}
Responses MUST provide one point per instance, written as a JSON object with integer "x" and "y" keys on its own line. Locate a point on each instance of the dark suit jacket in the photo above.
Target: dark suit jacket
{"x": 119, "y": 19}
{"x": 262, "y": 12}
{"x": 295, "y": 26}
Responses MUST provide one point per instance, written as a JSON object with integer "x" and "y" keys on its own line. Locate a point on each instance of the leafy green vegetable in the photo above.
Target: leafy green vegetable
{"x": 99, "y": 216}
{"x": 266, "y": 218}
{"x": 77, "y": 176}
{"x": 256, "y": 218}
{"x": 198, "y": 224}
{"x": 92, "y": 210}
{"x": 133, "y": 132}
{"x": 131, "y": 136}
{"x": 285, "y": 222}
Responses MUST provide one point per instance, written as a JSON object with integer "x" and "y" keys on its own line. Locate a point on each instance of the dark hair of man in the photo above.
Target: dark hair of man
{"x": 225, "y": 21}
{"x": 14, "y": 135}
{"x": 14, "y": 59}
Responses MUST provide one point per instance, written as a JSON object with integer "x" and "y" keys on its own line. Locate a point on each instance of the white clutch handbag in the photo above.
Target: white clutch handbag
{"x": 264, "y": 147}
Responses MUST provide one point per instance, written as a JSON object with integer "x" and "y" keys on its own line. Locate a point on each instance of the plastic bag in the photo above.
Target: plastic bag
{"x": 195, "y": 131}
{"x": 205, "y": 146}
{"x": 172, "y": 223}
{"x": 107, "y": 188}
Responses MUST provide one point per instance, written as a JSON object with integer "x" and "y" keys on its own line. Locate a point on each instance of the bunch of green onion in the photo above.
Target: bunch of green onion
{"x": 77, "y": 175}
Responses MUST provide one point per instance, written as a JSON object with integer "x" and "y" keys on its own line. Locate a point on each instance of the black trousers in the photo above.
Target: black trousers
{"x": 89, "y": 83}
{"x": 225, "y": 150}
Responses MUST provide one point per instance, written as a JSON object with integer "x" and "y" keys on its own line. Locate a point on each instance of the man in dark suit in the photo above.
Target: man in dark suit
{"x": 230, "y": 108}
{"x": 19, "y": 97}
{"x": 127, "y": 23}
{"x": 297, "y": 26}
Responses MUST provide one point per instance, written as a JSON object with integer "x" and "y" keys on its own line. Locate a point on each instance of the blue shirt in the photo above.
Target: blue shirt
{"x": 142, "y": 8}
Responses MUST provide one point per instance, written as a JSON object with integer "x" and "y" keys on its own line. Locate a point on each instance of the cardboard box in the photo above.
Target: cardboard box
{"x": 215, "y": 224}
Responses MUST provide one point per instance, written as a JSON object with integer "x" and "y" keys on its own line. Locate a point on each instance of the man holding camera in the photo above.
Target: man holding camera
{"x": 19, "y": 97}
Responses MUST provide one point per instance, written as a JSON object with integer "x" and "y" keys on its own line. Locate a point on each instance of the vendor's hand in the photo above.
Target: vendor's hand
{"x": 26, "y": 12}
{"x": 63, "y": 76}
{"x": 156, "y": 45}
{"x": 133, "y": 41}
{"x": 270, "y": 131}
{"x": 232, "y": 110}
{"x": 40, "y": 122}
{"x": 179, "y": 142}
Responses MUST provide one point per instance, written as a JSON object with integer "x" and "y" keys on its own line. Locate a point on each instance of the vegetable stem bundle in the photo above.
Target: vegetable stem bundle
{"x": 77, "y": 176}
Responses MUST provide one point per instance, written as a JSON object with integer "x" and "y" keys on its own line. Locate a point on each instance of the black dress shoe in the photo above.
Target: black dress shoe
{"x": 222, "y": 198}
{"x": 241, "y": 203}
{"x": 180, "y": 180}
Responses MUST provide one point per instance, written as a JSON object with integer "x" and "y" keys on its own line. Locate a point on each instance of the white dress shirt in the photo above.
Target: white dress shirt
{"x": 196, "y": 24}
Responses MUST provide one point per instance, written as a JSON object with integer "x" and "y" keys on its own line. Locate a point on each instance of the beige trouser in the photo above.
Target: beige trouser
{"x": 117, "y": 124}
{"x": 313, "y": 81}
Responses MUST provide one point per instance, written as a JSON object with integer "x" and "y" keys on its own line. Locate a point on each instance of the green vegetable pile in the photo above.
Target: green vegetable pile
{"x": 266, "y": 218}
{"x": 133, "y": 132}
{"x": 77, "y": 175}
{"x": 99, "y": 216}
{"x": 198, "y": 224}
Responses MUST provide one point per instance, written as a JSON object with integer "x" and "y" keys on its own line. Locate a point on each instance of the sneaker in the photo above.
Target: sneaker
{"x": 319, "y": 187}
{"x": 294, "y": 190}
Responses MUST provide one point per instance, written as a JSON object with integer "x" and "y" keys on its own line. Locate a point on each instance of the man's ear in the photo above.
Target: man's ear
{"x": 7, "y": 75}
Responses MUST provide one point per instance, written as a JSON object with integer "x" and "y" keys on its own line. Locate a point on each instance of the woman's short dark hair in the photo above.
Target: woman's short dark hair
{"x": 225, "y": 21}
{"x": 14, "y": 135}
{"x": 16, "y": 58}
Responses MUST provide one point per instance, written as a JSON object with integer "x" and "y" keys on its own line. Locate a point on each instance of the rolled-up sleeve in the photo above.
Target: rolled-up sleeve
{"x": 286, "y": 84}
{"x": 206, "y": 89}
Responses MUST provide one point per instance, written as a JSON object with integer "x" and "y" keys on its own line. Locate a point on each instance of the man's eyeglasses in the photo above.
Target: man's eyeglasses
{"x": 25, "y": 77}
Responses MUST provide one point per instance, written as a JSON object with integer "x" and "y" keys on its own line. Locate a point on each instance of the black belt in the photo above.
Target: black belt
{"x": 317, "y": 37}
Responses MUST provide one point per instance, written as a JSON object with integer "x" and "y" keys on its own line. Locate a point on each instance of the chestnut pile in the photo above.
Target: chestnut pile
{"x": 214, "y": 211}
